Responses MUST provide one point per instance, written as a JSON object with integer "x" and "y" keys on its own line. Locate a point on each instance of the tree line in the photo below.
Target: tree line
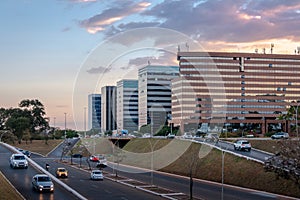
{"x": 24, "y": 122}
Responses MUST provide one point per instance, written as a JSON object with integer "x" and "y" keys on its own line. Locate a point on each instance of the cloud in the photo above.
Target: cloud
{"x": 224, "y": 20}
{"x": 66, "y": 29}
{"x": 82, "y": 1}
{"x": 111, "y": 15}
{"x": 98, "y": 70}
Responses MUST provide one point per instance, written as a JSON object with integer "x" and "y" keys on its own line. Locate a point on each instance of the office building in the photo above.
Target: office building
{"x": 127, "y": 105}
{"x": 94, "y": 111}
{"x": 155, "y": 94}
{"x": 222, "y": 89}
{"x": 108, "y": 108}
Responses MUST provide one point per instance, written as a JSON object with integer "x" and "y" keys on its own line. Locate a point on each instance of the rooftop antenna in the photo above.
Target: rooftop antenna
{"x": 298, "y": 50}
{"x": 178, "y": 48}
{"x": 149, "y": 62}
{"x": 256, "y": 50}
{"x": 187, "y": 46}
{"x": 272, "y": 46}
{"x": 264, "y": 50}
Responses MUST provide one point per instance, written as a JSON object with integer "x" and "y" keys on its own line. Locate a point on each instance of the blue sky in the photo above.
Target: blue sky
{"x": 47, "y": 45}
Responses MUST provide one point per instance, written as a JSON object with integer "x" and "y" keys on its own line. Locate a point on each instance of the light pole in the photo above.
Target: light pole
{"x": 152, "y": 157}
{"x": 84, "y": 122}
{"x": 65, "y": 125}
{"x": 223, "y": 155}
{"x": 297, "y": 120}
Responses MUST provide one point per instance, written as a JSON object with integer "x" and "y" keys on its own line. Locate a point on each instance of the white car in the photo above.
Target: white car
{"x": 97, "y": 175}
{"x": 242, "y": 145}
{"x": 18, "y": 160}
{"x": 280, "y": 135}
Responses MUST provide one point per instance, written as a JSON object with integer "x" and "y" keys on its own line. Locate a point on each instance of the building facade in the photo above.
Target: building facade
{"x": 221, "y": 89}
{"x": 108, "y": 108}
{"x": 155, "y": 94}
{"x": 94, "y": 111}
{"x": 127, "y": 105}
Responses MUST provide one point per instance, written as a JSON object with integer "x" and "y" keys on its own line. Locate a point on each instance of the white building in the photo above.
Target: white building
{"x": 155, "y": 94}
{"x": 127, "y": 105}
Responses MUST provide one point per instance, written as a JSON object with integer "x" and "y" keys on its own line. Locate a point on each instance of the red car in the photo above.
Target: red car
{"x": 94, "y": 158}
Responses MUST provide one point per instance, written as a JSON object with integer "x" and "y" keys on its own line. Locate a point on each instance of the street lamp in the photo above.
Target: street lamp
{"x": 65, "y": 125}
{"x": 84, "y": 122}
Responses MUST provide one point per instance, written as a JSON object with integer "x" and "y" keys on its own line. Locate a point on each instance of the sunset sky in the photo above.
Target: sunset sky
{"x": 59, "y": 51}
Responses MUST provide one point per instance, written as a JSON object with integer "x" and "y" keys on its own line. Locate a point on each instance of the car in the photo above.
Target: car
{"x": 18, "y": 160}
{"x": 27, "y": 153}
{"x": 242, "y": 145}
{"x": 97, "y": 175}
{"x": 187, "y": 136}
{"x": 280, "y": 135}
{"x": 170, "y": 136}
{"x": 61, "y": 172}
{"x": 94, "y": 158}
{"x": 42, "y": 182}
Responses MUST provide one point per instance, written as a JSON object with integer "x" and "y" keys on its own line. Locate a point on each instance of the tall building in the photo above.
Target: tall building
{"x": 127, "y": 105}
{"x": 155, "y": 94}
{"x": 108, "y": 108}
{"x": 219, "y": 88}
{"x": 94, "y": 111}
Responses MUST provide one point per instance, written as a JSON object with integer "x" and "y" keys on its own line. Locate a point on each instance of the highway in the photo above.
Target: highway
{"x": 21, "y": 179}
{"x": 80, "y": 181}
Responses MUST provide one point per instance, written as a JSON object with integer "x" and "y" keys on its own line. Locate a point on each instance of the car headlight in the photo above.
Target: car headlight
{"x": 15, "y": 162}
{"x": 51, "y": 186}
{"x": 40, "y": 186}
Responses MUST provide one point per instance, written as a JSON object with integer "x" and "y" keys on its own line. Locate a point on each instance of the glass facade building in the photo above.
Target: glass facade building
{"x": 154, "y": 83}
{"x": 94, "y": 111}
{"x": 225, "y": 88}
{"x": 108, "y": 108}
{"x": 127, "y": 105}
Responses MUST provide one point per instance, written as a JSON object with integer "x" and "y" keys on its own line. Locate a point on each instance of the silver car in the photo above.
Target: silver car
{"x": 280, "y": 135}
{"x": 42, "y": 182}
{"x": 96, "y": 175}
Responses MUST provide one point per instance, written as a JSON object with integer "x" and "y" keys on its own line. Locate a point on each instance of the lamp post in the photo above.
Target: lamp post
{"x": 84, "y": 122}
{"x": 65, "y": 125}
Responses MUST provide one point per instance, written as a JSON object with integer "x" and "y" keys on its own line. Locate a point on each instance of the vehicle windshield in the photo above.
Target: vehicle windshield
{"x": 97, "y": 172}
{"x": 62, "y": 170}
{"x": 44, "y": 179}
{"x": 19, "y": 158}
{"x": 245, "y": 142}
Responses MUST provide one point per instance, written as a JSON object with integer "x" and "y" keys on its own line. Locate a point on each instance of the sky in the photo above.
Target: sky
{"x": 59, "y": 51}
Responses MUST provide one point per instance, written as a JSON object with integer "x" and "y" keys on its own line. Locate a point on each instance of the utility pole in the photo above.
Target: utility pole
{"x": 65, "y": 125}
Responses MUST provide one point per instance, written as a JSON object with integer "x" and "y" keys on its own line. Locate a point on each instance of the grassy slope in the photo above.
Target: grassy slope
{"x": 39, "y": 146}
{"x": 7, "y": 191}
{"x": 237, "y": 171}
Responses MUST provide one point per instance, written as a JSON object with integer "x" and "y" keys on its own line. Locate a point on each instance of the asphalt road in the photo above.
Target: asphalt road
{"x": 80, "y": 180}
{"x": 255, "y": 154}
{"x": 21, "y": 179}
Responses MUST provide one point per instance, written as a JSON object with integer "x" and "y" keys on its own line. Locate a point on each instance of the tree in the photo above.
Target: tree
{"x": 18, "y": 125}
{"x": 286, "y": 162}
{"x": 37, "y": 113}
